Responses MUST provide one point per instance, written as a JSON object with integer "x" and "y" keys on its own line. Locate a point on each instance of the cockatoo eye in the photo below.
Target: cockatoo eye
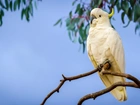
{"x": 92, "y": 18}
{"x": 99, "y": 15}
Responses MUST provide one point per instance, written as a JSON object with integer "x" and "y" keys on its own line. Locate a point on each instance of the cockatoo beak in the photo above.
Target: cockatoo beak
{"x": 111, "y": 14}
{"x": 92, "y": 18}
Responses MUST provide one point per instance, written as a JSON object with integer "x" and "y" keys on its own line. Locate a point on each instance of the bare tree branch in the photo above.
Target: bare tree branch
{"x": 99, "y": 93}
{"x": 68, "y": 79}
{"x": 135, "y": 83}
{"x": 128, "y": 76}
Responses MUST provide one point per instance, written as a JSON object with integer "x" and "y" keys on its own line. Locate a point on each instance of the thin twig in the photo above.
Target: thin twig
{"x": 68, "y": 79}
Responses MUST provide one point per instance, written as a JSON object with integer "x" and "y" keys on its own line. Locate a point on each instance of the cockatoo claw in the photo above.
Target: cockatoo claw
{"x": 107, "y": 67}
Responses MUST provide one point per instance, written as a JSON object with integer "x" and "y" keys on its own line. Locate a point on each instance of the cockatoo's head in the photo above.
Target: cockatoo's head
{"x": 100, "y": 17}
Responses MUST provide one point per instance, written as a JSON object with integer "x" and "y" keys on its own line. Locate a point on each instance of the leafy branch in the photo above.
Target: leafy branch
{"x": 77, "y": 22}
{"x": 26, "y": 7}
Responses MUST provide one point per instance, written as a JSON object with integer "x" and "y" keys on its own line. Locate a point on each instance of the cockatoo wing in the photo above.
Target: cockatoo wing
{"x": 116, "y": 49}
{"x": 115, "y": 53}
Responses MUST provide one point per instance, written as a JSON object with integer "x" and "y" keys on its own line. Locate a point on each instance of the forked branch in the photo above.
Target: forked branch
{"x": 68, "y": 79}
{"x": 135, "y": 83}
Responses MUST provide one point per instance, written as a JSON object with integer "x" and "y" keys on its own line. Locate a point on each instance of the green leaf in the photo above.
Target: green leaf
{"x": 82, "y": 33}
{"x": 31, "y": 9}
{"x": 80, "y": 12}
{"x": 132, "y": 2}
{"x": 122, "y": 17}
{"x": 7, "y": 4}
{"x": 71, "y": 27}
{"x": 27, "y": 14}
{"x": 111, "y": 1}
{"x": 2, "y": 5}
{"x": 69, "y": 33}
{"x": 118, "y": 5}
{"x": 18, "y": 3}
{"x": 1, "y": 13}
{"x": 22, "y": 13}
{"x": 136, "y": 12}
{"x": 76, "y": 20}
{"x": 58, "y": 22}
{"x": 87, "y": 29}
{"x": 68, "y": 21}
{"x": 125, "y": 6}
{"x": 137, "y": 27}
{"x": 88, "y": 13}
{"x": 70, "y": 14}
{"x": 130, "y": 14}
{"x": 84, "y": 47}
{"x": 77, "y": 8}
{"x": 80, "y": 40}
{"x": 15, "y": 5}
{"x": 1, "y": 21}
{"x": 97, "y": 3}
{"x": 11, "y": 5}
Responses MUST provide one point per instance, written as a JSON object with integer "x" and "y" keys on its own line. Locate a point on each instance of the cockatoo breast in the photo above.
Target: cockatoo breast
{"x": 98, "y": 39}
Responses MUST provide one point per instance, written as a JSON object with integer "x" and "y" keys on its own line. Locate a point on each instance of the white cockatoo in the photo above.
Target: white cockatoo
{"x": 104, "y": 43}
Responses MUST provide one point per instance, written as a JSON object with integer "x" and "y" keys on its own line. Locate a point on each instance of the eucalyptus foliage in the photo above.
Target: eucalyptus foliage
{"x": 25, "y": 6}
{"x": 77, "y": 22}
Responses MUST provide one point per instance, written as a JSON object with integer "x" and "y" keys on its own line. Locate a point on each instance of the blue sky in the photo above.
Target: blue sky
{"x": 34, "y": 55}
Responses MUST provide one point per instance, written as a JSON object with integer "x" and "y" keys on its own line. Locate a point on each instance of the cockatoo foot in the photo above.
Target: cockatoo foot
{"x": 106, "y": 64}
